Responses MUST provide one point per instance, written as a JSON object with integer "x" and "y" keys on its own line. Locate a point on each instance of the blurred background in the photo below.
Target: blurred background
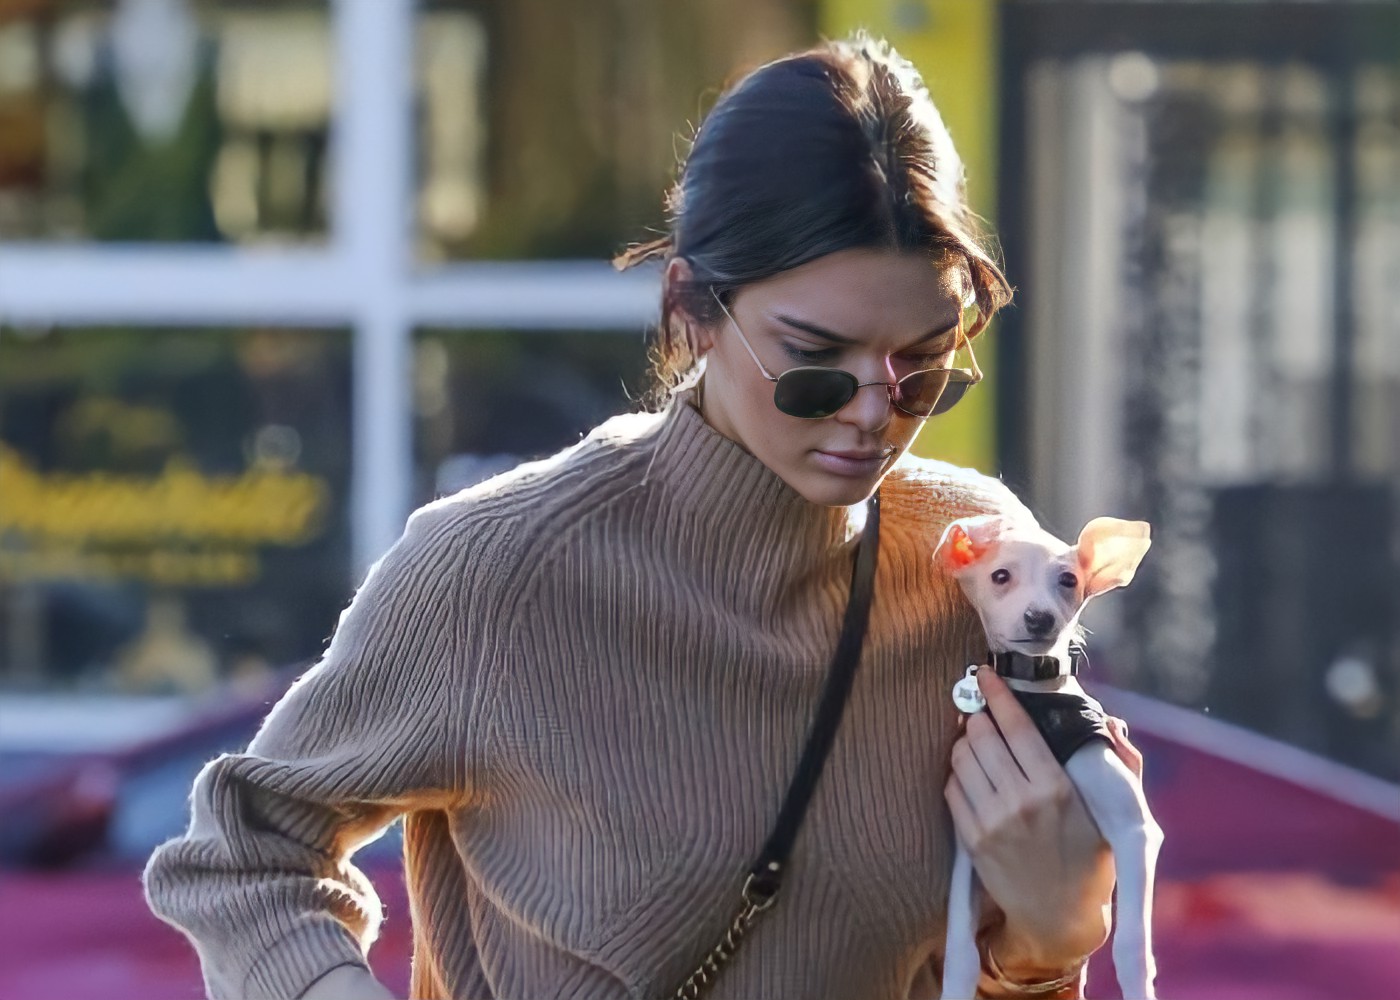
{"x": 275, "y": 272}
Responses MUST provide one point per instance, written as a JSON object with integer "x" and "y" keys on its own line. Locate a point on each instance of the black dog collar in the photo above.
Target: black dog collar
{"x": 1023, "y": 667}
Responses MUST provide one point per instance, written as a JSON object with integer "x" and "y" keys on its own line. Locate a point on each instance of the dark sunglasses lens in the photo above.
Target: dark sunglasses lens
{"x": 811, "y": 392}
{"x": 922, "y": 393}
{"x": 954, "y": 391}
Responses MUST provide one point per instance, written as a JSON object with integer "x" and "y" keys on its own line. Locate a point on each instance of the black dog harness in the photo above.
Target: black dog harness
{"x": 1066, "y": 721}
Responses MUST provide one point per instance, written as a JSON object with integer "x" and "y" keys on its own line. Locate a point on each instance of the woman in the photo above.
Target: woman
{"x": 584, "y": 684}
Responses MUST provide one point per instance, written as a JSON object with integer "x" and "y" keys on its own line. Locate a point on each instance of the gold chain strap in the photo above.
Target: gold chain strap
{"x": 766, "y": 877}
{"x": 754, "y": 903}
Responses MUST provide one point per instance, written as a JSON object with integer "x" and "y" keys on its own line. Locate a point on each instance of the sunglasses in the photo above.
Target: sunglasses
{"x": 812, "y": 393}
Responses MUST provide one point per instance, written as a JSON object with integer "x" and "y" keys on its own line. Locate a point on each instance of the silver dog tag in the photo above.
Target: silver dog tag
{"x": 967, "y": 695}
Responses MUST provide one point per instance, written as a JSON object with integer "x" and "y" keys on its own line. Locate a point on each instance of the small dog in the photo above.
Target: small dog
{"x": 1029, "y": 588}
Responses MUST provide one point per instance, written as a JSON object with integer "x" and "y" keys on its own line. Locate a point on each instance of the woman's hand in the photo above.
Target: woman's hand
{"x": 1036, "y": 850}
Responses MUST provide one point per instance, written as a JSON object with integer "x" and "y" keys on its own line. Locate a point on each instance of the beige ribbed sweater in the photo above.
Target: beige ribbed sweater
{"x": 586, "y": 684}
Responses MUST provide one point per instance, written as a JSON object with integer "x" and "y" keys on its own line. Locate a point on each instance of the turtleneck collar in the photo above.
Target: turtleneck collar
{"x": 721, "y": 483}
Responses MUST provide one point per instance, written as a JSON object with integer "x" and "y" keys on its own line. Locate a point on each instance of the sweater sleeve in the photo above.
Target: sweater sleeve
{"x": 382, "y": 725}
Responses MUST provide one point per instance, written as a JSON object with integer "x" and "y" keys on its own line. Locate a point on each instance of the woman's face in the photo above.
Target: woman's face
{"x": 874, "y": 313}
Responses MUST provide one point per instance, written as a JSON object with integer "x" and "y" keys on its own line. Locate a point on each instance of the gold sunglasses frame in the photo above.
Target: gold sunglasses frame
{"x": 968, "y": 377}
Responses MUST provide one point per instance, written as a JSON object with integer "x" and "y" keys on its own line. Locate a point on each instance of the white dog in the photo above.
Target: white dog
{"x": 1029, "y": 588}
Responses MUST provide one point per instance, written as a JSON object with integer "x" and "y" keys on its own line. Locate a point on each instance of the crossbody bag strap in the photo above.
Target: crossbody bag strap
{"x": 765, "y": 877}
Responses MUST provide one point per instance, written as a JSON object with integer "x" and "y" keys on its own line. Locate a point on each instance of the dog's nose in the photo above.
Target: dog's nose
{"x": 1039, "y": 623}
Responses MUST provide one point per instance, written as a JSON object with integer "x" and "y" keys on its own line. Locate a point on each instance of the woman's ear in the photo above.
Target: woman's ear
{"x": 698, "y": 335}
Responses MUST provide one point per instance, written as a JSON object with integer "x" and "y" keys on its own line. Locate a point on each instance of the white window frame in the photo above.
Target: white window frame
{"x": 365, "y": 277}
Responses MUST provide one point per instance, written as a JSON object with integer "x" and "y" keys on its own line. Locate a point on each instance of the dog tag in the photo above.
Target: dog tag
{"x": 967, "y": 695}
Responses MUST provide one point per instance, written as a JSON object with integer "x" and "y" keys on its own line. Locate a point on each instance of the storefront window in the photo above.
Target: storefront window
{"x": 544, "y": 130}
{"x": 550, "y": 130}
{"x": 487, "y": 400}
{"x": 173, "y": 511}
{"x": 164, "y": 120}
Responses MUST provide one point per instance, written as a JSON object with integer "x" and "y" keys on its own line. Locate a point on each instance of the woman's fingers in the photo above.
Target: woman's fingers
{"x": 979, "y": 788}
{"x": 1127, "y": 753}
{"x": 992, "y": 752}
{"x": 965, "y": 819}
{"x": 1026, "y": 745}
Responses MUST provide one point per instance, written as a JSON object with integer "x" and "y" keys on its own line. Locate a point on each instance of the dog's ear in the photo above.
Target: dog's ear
{"x": 967, "y": 540}
{"x": 1110, "y": 551}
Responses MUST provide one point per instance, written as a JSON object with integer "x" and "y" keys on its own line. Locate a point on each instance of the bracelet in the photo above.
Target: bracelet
{"x": 999, "y": 977}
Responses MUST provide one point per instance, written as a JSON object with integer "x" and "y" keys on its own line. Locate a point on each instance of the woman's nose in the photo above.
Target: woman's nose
{"x": 870, "y": 408}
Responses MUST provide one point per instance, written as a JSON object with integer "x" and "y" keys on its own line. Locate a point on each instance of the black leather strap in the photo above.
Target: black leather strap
{"x": 766, "y": 875}
{"x": 1024, "y": 667}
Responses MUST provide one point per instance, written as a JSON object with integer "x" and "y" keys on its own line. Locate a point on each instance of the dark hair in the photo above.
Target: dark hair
{"x": 830, "y": 149}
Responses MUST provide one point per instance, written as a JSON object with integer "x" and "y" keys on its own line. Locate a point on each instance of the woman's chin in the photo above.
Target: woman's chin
{"x": 836, "y": 491}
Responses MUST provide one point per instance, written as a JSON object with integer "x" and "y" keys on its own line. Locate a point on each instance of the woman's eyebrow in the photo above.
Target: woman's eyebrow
{"x": 836, "y": 338}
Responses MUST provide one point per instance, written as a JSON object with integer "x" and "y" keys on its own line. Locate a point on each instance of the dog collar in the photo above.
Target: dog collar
{"x": 1023, "y": 667}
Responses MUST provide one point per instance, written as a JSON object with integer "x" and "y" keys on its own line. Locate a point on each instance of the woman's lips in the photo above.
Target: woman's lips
{"x": 852, "y": 463}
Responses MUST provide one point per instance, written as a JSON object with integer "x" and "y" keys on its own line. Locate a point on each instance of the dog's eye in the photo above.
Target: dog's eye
{"x": 1001, "y": 576}
{"x": 1069, "y": 580}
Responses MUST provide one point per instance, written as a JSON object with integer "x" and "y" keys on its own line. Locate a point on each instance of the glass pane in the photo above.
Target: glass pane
{"x": 164, "y": 120}
{"x": 174, "y": 504}
{"x": 551, "y": 129}
{"x": 486, "y": 401}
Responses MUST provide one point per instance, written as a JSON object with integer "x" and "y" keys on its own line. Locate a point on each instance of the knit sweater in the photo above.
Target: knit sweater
{"x": 585, "y": 685}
